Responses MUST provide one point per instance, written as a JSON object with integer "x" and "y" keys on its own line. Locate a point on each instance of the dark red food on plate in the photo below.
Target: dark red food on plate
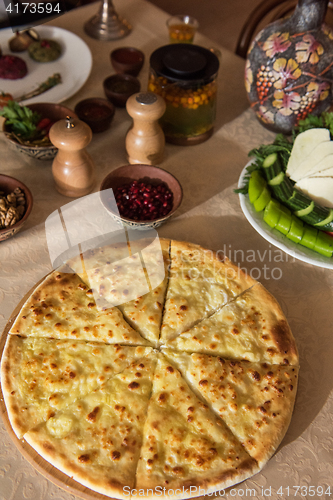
{"x": 139, "y": 200}
{"x": 12, "y": 67}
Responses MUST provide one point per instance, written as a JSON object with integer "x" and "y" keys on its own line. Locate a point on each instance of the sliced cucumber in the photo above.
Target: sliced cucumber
{"x": 324, "y": 244}
{"x": 296, "y": 230}
{"x": 272, "y": 213}
{"x": 279, "y": 217}
{"x": 281, "y": 185}
{"x": 263, "y": 200}
{"x": 277, "y": 180}
{"x": 270, "y": 160}
{"x": 256, "y": 186}
{"x": 284, "y": 222}
{"x": 305, "y": 211}
{"x": 326, "y": 221}
{"x": 309, "y": 237}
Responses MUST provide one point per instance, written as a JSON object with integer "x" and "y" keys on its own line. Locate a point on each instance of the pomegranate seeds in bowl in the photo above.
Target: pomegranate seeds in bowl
{"x": 146, "y": 196}
{"x": 142, "y": 201}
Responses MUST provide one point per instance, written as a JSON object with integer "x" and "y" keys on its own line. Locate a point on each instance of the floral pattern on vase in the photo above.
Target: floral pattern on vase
{"x": 289, "y": 68}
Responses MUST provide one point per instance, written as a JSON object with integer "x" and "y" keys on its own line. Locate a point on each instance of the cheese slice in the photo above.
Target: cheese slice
{"x": 63, "y": 307}
{"x": 255, "y": 400}
{"x": 97, "y": 439}
{"x": 199, "y": 283}
{"x": 132, "y": 276}
{"x": 315, "y": 157}
{"x": 185, "y": 442}
{"x": 320, "y": 189}
{"x": 252, "y": 327}
{"x": 322, "y": 169}
{"x": 41, "y": 376}
{"x": 303, "y": 145}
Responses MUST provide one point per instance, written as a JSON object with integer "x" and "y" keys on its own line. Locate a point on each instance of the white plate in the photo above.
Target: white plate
{"x": 275, "y": 237}
{"x": 74, "y": 66}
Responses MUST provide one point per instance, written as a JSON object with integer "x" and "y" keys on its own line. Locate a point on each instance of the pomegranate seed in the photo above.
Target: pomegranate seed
{"x": 141, "y": 201}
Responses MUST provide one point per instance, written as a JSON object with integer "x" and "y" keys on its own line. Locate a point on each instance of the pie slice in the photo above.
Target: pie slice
{"x": 131, "y": 276}
{"x": 40, "y": 376}
{"x": 63, "y": 307}
{"x": 185, "y": 443}
{"x": 145, "y": 313}
{"x": 200, "y": 282}
{"x": 255, "y": 400}
{"x": 97, "y": 439}
{"x": 252, "y": 327}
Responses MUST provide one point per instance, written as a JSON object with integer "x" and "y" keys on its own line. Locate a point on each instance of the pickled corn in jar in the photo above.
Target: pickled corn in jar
{"x": 186, "y": 77}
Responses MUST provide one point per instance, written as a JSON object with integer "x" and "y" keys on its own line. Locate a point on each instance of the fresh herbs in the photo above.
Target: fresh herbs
{"x": 325, "y": 120}
{"x": 52, "y": 81}
{"x": 24, "y": 125}
{"x": 281, "y": 145}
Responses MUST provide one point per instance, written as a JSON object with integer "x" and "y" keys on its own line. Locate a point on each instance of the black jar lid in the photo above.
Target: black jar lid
{"x": 184, "y": 63}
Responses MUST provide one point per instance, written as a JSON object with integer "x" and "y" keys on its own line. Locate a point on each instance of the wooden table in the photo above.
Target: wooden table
{"x": 210, "y": 215}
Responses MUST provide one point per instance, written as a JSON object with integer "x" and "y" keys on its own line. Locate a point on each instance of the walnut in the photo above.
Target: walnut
{"x": 12, "y": 207}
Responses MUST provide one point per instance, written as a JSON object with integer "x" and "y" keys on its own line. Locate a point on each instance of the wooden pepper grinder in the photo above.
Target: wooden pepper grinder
{"x": 73, "y": 168}
{"x": 145, "y": 140}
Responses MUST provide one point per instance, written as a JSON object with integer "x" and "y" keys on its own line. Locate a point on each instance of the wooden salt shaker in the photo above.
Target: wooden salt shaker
{"x": 73, "y": 168}
{"x": 145, "y": 140}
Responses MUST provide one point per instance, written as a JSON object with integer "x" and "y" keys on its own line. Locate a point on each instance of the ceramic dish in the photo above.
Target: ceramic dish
{"x": 140, "y": 172}
{"x": 74, "y": 66}
{"x": 275, "y": 237}
{"x": 7, "y": 186}
{"x": 49, "y": 110}
{"x": 128, "y": 60}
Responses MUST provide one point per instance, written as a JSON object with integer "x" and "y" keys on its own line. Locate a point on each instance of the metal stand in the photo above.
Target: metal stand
{"x": 107, "y": 25}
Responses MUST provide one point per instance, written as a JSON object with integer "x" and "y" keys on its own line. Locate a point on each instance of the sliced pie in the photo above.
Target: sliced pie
{"x": 63, "y": 307}
{"x": 41, "y": 376}
{"x": 97, "y": 439}
{"x": 132, "y": 276}
{"x": 185, "y": 443}
{"x": 200, "y": 282}
{"x": 252, "y": 327}
{"x": 255, "y": 400}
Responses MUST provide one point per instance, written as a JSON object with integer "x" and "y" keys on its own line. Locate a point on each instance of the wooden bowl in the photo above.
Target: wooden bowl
{"x": 95, "y": 112}
{"x": 118, "y": 88}
{"x": 7, "y": 185}
{"x": 127, "y": 60}
{"x": 49, "y": 110}
{"x": 146, "y": 173}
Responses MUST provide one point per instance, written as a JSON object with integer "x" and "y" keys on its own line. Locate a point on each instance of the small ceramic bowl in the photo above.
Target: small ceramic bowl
{"x": 127, "y": 60}
{"x": 95, "y": 112}
{"x": 7, "y": 186}
{"x": 118, "y": 88}
{"x": 146, "y": 173}
{"x": 49, "y": 110}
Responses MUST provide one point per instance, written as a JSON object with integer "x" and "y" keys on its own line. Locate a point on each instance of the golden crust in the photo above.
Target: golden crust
{"x": 251, "y": 327}
{"x": 41, "y": 376}
{"x": 201, "y": 281}
{"x": 209, "y": 451}
{"x": 255, "y": 400}
{"x": 276, "y": 324}
{"x": 63, "y": 307}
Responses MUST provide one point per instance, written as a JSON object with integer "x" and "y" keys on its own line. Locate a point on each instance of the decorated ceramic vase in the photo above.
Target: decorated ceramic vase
{"x": 289, "y": 68}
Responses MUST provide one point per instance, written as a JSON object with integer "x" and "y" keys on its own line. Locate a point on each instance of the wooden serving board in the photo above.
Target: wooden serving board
{"x": 45, "y": 468}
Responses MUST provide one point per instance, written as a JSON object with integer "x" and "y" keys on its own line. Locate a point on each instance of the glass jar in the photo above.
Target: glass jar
{"x": 186, "y": 77}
